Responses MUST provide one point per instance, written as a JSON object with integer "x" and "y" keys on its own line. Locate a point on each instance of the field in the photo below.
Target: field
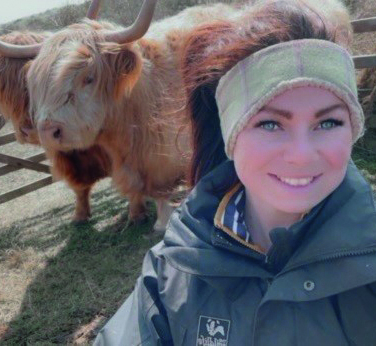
{"x": 59, "y": 281}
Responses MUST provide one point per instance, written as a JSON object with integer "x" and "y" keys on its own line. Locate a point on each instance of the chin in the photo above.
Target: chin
{"x": 297, "y": 209}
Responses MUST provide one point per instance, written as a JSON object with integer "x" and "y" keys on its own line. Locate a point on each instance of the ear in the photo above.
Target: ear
{"x": 125, "y": 64}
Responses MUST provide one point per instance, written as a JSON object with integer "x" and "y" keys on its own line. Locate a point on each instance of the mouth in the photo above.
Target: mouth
{"x": 296, "y": 182}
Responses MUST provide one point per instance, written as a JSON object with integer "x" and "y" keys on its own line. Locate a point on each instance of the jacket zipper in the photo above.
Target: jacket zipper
{"x": 330, "y": 258}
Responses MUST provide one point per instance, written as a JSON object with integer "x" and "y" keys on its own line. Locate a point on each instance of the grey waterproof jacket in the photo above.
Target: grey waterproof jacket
{"x": 200, "y": 287}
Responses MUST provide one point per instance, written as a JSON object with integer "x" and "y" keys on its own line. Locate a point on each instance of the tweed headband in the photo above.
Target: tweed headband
{"x": 256, "y": 80}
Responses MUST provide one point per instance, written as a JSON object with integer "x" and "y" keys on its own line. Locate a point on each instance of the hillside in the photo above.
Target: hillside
{"x": 124, "y": 12}
{"x": 121, "y": 12}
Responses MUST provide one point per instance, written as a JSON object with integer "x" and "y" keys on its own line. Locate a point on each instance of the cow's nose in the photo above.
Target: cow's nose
{"x": 50, "y": 134}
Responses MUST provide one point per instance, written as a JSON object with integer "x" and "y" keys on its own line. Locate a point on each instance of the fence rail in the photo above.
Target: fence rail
{"x": 15, "y": 163}
{"x": 9, "y": 168}
{"x": 23, "y": 190}
{"x": 8, "y": 138}
{"x": 22, "y": 163}
{"x": 361, "y": 26}
{"x": 364, "y": 25}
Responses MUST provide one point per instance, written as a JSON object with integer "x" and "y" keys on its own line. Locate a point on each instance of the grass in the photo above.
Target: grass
{"x": 76, "y": 275}
{"x": 365, "y": 160}
{"x": 364, "y": 151}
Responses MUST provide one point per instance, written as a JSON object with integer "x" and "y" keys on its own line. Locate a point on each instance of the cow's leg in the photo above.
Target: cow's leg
{"x": 82, "y": 212}
{"x": 164, "y": 211}
{"x": 128, "y": 181}
{"x": 137, "y": 208}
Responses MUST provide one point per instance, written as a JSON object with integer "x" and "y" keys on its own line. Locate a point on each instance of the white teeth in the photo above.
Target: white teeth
{"x": 296, "y": 182}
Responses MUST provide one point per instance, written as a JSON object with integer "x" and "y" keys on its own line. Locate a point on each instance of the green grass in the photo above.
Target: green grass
{"x": 89, "y": 270}
{"x": 365, "y": 160}
{"x": 364, "y": 151}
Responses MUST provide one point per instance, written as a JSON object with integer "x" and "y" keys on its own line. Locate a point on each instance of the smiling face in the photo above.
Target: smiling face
{"x": 294, "y": 152}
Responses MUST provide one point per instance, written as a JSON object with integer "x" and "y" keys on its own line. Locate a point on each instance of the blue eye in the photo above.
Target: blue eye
{"x": 330, "y": 123}
{"x": 268, "y": 125}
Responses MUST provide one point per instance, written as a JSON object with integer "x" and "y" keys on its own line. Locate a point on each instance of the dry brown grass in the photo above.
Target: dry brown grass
{"x": 86, "y": 332}
{"x": 364, "y": 43}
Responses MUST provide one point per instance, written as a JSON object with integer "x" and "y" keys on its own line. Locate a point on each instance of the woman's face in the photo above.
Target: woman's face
{"x": 294, "y": 152}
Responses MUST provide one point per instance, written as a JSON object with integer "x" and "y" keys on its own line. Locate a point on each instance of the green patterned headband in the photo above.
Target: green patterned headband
{"x": 256, "y": 80}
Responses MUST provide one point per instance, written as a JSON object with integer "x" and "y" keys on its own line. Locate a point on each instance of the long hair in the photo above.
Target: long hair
{"x": 213, "y": 49}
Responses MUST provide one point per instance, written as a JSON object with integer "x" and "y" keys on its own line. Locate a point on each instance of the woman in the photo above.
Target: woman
{"x": 276, "y": 244}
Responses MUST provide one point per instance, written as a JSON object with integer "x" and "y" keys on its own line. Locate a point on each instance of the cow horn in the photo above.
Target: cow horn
{"x": 92, "y": 12}
{"x": 30, "y": 51}
{"x": 16, "y": 51}
{"x": 138, "y": 28}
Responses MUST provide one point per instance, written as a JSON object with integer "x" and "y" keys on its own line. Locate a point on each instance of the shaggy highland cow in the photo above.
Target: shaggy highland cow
{"x": 79, "y": 168}
{"x": 94, "y": 83}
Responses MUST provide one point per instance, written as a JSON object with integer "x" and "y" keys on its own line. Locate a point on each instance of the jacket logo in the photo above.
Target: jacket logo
{"x": 212, "y": 331}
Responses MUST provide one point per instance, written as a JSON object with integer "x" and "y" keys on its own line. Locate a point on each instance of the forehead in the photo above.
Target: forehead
{"x": 305, "y": 98}
{"x": 60, "y": 59}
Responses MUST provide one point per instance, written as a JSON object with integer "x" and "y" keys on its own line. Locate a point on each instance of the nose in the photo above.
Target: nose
{"x": 301, "y": 150}
{"x": 50, "y": 133}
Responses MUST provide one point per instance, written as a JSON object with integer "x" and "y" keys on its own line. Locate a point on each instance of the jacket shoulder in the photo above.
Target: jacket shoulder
{"x": 141, "y": 319}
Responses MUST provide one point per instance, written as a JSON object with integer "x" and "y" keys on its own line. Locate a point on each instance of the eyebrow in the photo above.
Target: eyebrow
{"x": 318, "y": 114}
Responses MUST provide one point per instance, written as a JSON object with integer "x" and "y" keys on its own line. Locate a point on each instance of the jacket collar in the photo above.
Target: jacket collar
{"x": 345, "y": 226}
{"x": 342, "y": 231}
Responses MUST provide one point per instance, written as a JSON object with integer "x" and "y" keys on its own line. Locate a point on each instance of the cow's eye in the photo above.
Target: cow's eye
{"x": 88, "y": 80}
{"x": 70, "y": 98}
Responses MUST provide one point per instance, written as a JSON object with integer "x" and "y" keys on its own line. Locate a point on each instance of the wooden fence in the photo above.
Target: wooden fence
{"x": 367, "y": 61}
{"x": 14, "y": 164}
{"x": 33, "y": 162}
{"x": 361, "y": 26}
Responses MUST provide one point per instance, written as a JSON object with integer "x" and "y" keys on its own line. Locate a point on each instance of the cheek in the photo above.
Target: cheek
{"x": 256, "y": 147}
{"x": 338, "y": 150}
{"x": 250, "y": 156}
